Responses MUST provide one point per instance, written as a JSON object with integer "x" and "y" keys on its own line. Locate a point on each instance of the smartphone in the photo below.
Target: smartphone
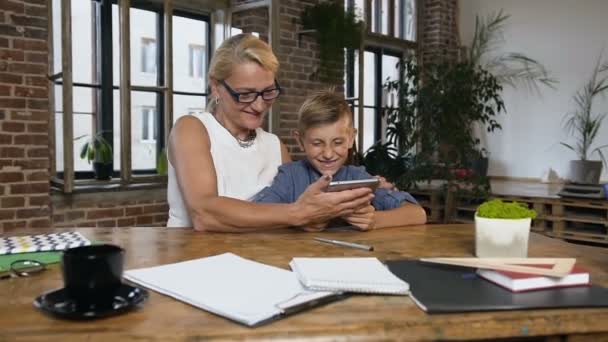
{"x": 371, "y": 183}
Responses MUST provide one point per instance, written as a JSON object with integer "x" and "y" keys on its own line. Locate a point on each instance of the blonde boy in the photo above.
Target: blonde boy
{"x": 326, "y": 134}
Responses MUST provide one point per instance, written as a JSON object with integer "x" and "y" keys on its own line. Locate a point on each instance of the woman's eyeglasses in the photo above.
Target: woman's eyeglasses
{"x": 251, "y": 96}
{"x": 23, "y": 268}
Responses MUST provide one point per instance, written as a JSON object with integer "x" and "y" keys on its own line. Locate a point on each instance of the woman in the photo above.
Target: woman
{"x": 221, "y": 158}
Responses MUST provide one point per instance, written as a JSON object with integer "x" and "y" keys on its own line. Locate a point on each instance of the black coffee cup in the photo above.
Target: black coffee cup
{"x": 93, "y": 274}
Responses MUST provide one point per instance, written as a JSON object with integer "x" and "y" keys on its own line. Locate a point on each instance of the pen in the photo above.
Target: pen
{"x": 346, "y": 244}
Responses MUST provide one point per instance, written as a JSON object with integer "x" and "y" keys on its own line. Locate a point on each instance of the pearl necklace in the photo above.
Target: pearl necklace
{"x": 247, "y": 142}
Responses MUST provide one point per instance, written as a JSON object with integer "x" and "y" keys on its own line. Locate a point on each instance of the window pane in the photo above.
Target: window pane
{"x": 391, "y": 73}
{"x": 57, "y": 45}
{"x": 116, "y": 48}
{"x": 190, "y": 59}
{"x": 369, "y": 124}
{"x": 116, "y": 128}
{"x": 82, "y": 41}
{"x": 384, "y": 17}
{"x": 410, "y": 20}
{"x": 83, "y": 123}
{"x": 143, "y": 145}
{"x": 144, "y": 51}
{"x": 183, "y": 105}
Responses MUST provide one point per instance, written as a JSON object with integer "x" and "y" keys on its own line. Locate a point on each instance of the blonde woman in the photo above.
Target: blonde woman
{"x": 220, "y": 159}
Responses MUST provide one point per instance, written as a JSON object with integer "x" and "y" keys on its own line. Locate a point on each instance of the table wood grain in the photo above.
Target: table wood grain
{"x": 355, "y": 318}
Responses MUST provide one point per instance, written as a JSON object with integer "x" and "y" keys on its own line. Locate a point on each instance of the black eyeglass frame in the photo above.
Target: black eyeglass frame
{"x": 236, "y": 95}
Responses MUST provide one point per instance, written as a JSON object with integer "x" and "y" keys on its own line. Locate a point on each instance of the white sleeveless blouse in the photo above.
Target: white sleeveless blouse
{"x": 241, "y": 172}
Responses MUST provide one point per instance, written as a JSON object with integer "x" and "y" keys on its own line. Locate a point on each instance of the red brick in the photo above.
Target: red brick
{"x": 31, "y": 213}
{"x": 13, "y": 202}
{"x": 14, "y": 224}
{"x": 12, "y": 55}
{"x": 40, "y": 223}
{"x": 10, "y": 78}
{"x": 31, "y": 92}
{"x": 5, "y": 139}
{"x": 35, "y": 33}
{"x": 159, "y": 208}
{"x": 38, "y": 152}
{"x": 126, "y": 222}
{"x": 30, "y": 139}
{"x": 12, "y": 6}
{"x": 104, "y": 213}
{"x": 30, "y": 115}
{"x": 37, "y": 176}
{"x": 27, "y": 68}
{"x": 37, "y": 81}
{"x": 5, "y": 90}
{"x": 38, "y": 201}
{"x": 134, "y": 211}
{"x": 3, "y": 42}
{"x": 29, "y": 45}
{"x": 32, "y": 164}
{"x": 37, "y": 127}
{"x": 36, "y": 11}
{"x": 106, "y": 223}
{"x": 144, "y": 220}
{"x": 36, "y": 57}
{"x": 58, "y": 218}
{"x": 11, "y": 177}
{"x": 37, "y": 104}
{"x": 75, "y": 215}
{"x": 26, "y": 21}
{"x": 16, "y": 127}
{"x": 7, "y": 214}
{"x": 12, "y": 103}
{"x": 12, "y": 152}
{"x": 30, "y": 188}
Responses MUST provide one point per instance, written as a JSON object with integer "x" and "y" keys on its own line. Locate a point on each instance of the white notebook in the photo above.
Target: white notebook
{"x": 242, "y": 290}
{"x": 364, "y": 275}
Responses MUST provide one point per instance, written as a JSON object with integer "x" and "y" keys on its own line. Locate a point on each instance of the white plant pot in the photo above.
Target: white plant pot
{"x": 501, "y": 238}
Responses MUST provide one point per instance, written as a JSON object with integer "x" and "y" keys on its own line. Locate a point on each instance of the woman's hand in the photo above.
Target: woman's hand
{"x": 385, "y": 184}
{"x": 363, "y": 219}
{"x": 313, "y": 228}
{"x": 316, "y": 206}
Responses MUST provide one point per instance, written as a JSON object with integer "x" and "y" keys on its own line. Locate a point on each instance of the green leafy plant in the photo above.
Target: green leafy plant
{"x": 96, "y": 148}
{"x": 505, "y": 210}
{"x": 583, "y": 123}
{"x": 335, "y": 29}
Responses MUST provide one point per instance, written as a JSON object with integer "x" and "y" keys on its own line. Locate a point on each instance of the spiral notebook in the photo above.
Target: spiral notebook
{"x": 362, "y": 275}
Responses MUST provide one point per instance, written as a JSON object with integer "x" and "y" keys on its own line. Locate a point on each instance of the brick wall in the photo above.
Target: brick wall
{"x": 439, "y": 30}
{"x": 24, "y": 119}
{"x": 299, "y": 58}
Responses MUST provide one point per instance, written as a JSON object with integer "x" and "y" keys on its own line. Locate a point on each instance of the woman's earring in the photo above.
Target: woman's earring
{"x": 217, "y": 100}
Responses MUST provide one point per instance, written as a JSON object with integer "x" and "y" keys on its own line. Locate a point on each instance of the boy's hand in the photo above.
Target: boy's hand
{"x": 363, "y": 219}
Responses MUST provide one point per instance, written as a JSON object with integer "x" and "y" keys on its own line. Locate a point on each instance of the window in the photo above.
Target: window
{"x": 94, "y": 93}
{"x": 389, "y": 19}
{"x": 148, "y": 55}
{"x": 197, "y": 60}
{"x": 148, "y": 124}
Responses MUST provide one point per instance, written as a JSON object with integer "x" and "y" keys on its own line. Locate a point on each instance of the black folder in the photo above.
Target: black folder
{"x": 444, "y": 288}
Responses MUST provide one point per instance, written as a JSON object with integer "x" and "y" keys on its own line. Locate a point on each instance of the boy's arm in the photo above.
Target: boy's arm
{"x": 406, "y": 215}
{"x": 280, "y": 191}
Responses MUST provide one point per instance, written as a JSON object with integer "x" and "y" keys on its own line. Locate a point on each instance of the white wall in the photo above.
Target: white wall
{"x": 564, "y": 35}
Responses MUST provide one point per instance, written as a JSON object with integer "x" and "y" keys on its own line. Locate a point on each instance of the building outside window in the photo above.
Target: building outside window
{"x": 148, "y": 55}
{"x": 197, "y": 60}
{"x": 148, "y": 124}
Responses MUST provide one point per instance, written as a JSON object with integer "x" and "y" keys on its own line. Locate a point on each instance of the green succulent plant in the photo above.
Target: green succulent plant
{"x": 505, "y": 210}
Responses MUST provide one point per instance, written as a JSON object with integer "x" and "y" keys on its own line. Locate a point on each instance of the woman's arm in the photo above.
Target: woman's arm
{"x": 190, "y": 156}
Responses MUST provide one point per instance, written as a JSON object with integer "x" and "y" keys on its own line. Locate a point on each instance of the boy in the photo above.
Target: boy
{"x": 325, "y": 134}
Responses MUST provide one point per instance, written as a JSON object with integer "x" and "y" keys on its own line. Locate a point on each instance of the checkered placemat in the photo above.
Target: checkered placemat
{"x": 42, "y": 242}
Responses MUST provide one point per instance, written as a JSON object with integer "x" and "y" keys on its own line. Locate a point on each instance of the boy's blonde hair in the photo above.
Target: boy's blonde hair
{"x": 323, "y": 108}
{"x": 239, "y": 49}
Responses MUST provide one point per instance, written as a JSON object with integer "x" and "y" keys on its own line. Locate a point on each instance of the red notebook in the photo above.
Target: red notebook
{"x": 517, "y": 282}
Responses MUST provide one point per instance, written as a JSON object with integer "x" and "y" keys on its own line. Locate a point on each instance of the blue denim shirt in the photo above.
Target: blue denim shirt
{"x": 293, "y": 178}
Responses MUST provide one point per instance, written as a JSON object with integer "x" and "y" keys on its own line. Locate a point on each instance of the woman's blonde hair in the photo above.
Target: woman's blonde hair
{"x": 323, "y": 108}
{"x": 236, "y": 50}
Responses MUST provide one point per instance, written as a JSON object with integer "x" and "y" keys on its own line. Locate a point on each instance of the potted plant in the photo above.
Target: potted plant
{"x": 502, "y": 229}
{"x": 584, "y": 125}
{"x": 334, "y": 29}
{"x": 98, "y": 150}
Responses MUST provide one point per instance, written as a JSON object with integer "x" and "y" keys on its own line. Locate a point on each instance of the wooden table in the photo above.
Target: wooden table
{"x": 356, "y": 318}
